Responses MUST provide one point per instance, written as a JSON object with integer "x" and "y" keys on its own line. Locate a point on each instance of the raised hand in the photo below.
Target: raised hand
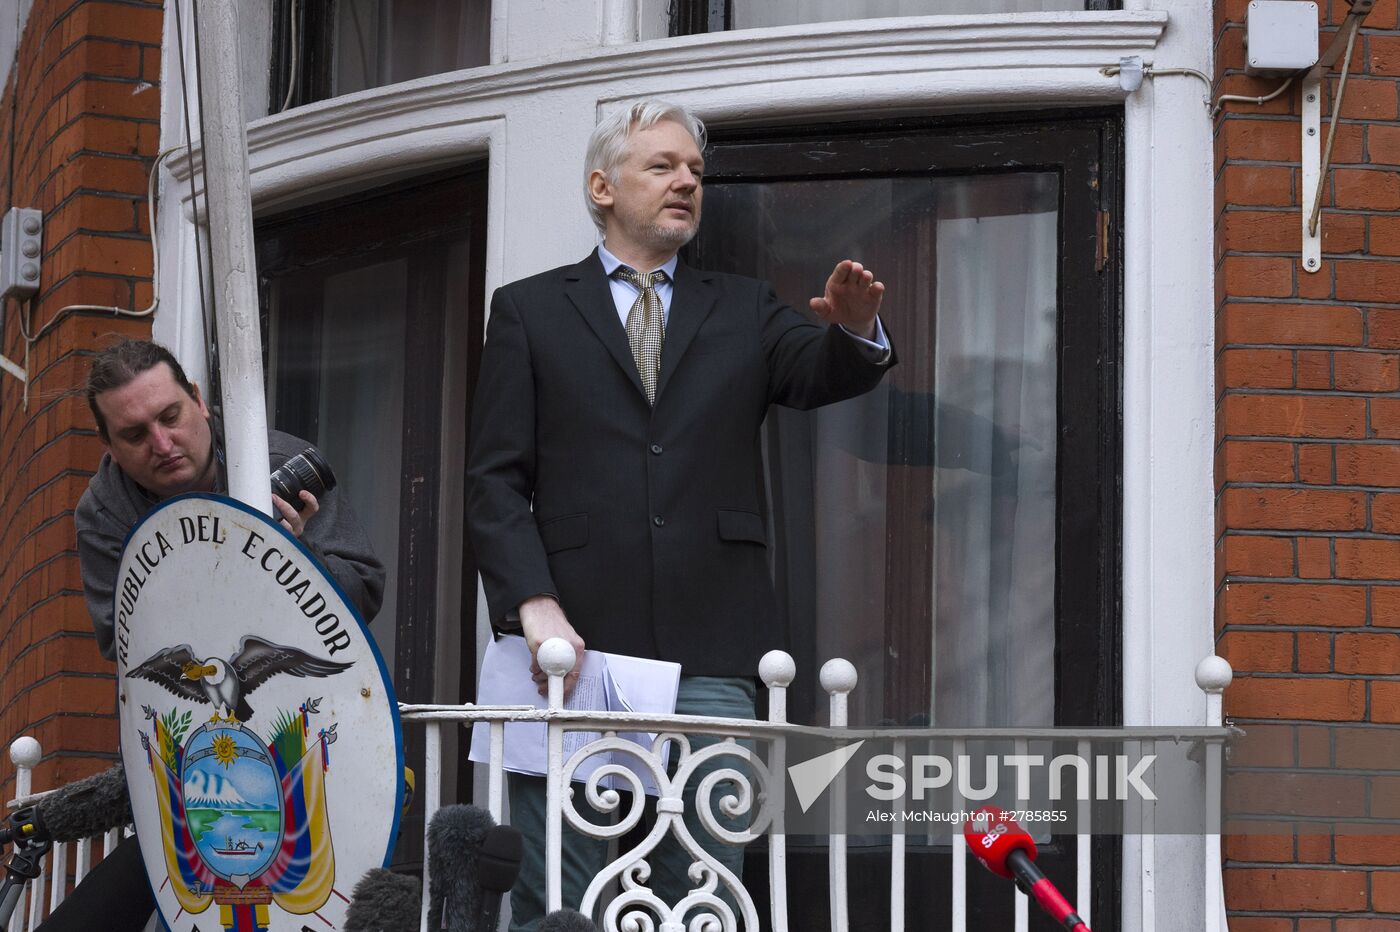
{"x": 852, "y": 299}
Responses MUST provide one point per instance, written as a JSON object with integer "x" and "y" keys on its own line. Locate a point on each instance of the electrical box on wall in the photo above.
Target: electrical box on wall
{"x": 21, "y": 242}
{"x": 1280, "y": 36}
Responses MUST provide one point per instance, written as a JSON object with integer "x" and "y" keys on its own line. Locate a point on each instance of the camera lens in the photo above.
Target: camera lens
{"x": 307, "y": 470}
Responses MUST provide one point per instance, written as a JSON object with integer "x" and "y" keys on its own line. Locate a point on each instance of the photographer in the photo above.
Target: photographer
{"x": 155, "y": 428}
{"x": 159, "y": 443}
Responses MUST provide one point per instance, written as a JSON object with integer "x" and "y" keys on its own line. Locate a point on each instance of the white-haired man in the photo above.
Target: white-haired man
{"x": 617, "y": 496}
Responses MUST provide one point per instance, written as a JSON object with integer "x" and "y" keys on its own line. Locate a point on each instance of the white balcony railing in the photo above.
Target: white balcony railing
{"x": 759, "y": 773}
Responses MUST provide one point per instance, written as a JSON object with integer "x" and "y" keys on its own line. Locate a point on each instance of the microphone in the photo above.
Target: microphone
{"x": 1006, "y": 850}
{"x": 455, "y": 837}
{"x": 79, "y": 810}
{"x": 566, "y": 920}
{"x": 499, "y": 865}
{"x": 384, "y": 901}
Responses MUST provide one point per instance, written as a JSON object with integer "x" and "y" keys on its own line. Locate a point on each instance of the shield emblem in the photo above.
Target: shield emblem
{"x": 245, "y": 679}
{"x": 232, "y": 799}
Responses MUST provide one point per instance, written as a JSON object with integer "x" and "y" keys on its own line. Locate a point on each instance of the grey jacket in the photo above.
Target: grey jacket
{"x": 114, "y": 503}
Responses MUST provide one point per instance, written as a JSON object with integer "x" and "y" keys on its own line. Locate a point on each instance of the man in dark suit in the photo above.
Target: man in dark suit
{"x": 617, "y": 495}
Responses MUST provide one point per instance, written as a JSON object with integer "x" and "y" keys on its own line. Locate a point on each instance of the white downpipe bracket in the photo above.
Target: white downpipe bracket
{"x": 1312, "y": 164}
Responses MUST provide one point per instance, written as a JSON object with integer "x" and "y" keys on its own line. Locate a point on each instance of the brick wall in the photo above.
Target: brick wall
{"x": 1307, "y": 467}
{"x": 79, "y": 124}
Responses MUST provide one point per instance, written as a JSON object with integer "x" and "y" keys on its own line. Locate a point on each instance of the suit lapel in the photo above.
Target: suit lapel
{"x": 587, "y": 287}
{"x": 691, "y": 302}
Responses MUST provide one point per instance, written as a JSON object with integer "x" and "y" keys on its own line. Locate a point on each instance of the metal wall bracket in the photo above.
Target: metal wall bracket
{"x": 14, "y": 370}
{"x": 1312, "y": 165}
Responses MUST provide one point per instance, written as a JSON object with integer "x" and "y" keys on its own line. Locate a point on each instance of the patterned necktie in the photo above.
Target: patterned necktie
{"x": 646, "y": 326}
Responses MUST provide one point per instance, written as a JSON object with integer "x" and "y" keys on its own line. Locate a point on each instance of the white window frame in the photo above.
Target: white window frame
{"x": 531, "y": 118}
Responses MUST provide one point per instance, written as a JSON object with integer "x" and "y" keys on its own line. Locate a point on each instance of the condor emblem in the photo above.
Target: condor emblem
{"x": 259, "y": 729}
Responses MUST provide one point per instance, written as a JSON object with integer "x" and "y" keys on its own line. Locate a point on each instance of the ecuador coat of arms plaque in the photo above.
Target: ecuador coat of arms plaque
{"x": 259, "y": 728}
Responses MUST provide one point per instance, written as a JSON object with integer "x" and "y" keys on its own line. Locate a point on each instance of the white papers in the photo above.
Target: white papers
{"x": 606, "y": 683}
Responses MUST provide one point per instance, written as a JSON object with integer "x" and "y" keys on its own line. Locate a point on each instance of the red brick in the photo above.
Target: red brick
{"x": 1367, "y": 372}
{"x": 1338, "y": 606}
{"x": 1256, "y": 555}
{"x": 1264, "y": 185}
{"x": 118, "y": 21}
{"x": 1257, "y": 276}
{"x": 1255, "y": 461}
{"x": 1293, "y": 510}
{"x": 1383, "y": 326}
{"x": 1363, "y": 844}
{"x": 1343, "y": 233}
{"x": 1365, "y": 99}
{"x": 1258, "y": 651}
{"x": 1319, "y": 700}
{"x": 1385, "y": 700}
{"x": 1258, "y": 231}
{"x": 1314, "y": 652}
{"x": 1315, "y": 464}
{"x": 1383, "y": 53}
{"x": 1385, "y": 513}
{"x": 1383, "y": 144}
{"x": 1385, "y": 892}
{"x": 1293, "y": 416}
{"x": 1294, "y": 324}
{"x": 1385, "y": 606}
{"x": 1314, "y": 369}
{"x": 1365, "y": 280}
{"x": 1260, "y": 923}
{"x": 1314, "y": 849}
{"x": 1267, "y": 139}
{"x": 1368, "y": 464}
{"x": 1367, "y": 653}
{"x": 1367, "y": 558}
{"x": 1291, "y": 889}
{"x": 1318, "y": 284}
{"x": 1385, "y": 418}
{"x": 1314, "y": 557}
{"x": 1366, "y": 189}
{"x": 1260, "y": 848}
{"x": 1256, "y": 368}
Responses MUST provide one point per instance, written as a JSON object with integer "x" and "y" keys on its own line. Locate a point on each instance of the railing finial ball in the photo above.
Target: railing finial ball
{"x": 777, "y": 668}
{"x": 25, "y": 752}
{"x": 1213, "y": 674}
{"x": 556, "y": 657}
{"x": 838, "y": 676}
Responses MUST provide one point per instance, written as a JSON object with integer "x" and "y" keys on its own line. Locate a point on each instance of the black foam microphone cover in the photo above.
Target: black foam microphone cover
{"x": 501, "y": 851}
{"x": 455, "y": 836}
{"x": 384, "y": 901}
{"x": 87, "y": 807}
{"x": 566, "y": 920}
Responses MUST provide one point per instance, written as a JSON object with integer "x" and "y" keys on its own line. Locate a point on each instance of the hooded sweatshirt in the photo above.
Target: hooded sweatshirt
{"x": 114, "y": 503}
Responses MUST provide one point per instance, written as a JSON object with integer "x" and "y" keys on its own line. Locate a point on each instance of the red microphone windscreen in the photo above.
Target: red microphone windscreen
{"x": 992, "y": 835}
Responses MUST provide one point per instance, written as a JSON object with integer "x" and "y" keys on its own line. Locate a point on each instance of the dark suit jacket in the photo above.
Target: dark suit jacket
{"x": 647, "y": 524}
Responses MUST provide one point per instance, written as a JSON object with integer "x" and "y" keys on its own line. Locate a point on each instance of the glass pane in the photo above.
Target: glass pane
{"x": 349, "y": 359}
{"x": 916, "y": 524}
{"x": 379, "y": 42}
{"x": 749, "y": 14}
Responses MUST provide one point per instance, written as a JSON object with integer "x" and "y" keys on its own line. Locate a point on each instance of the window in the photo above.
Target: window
{"x": 955, "y": 532}
{"x": 695, "y": 16}
{"x": 323, "y": 50}
{"x": 373, "y": 311}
